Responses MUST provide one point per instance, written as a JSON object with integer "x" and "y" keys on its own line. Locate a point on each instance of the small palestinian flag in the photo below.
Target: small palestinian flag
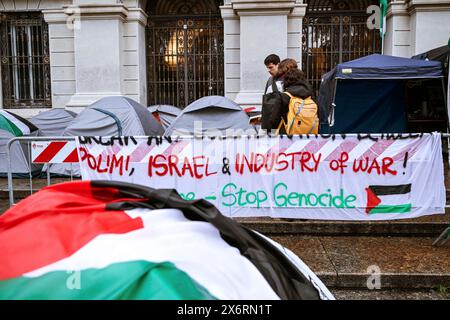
{"x": 15, "y": 125}
{"x": 383, "y": 17}
{"x": 109, "y": 240}
{"x": 389, "y": 199}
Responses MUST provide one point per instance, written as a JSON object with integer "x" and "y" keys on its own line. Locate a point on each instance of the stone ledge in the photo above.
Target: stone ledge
{"x": 428, "y": 6}
{"x": 333, "y": 228}
{"x": 263, "y": 7}
{"x": 99, "y": 12}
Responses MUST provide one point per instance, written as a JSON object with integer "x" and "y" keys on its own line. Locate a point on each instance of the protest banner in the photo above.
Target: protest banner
{"x": 336, "y": 177}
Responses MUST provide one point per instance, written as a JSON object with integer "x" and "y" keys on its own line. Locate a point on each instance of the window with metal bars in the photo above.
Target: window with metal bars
{"x": 25, "y": 63}
{"x": 335, "y": 31}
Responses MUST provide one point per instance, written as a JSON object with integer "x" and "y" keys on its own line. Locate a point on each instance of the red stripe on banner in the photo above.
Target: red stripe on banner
{"x": 73, "y": 157}
{"x": 314, "y": 146}
{"x": 141, "y": 152}
{"x": 411, "y": 149}
{"x": 54, "y": 223}
{"x": 377, "y": 149}
{"x": 346, "y": 146}
{"x": 50, "y": 152}
{"x": 175, "y": 148}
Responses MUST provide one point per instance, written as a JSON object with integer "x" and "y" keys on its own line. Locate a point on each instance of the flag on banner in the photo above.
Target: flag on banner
{"x": 106, "y": 240}
{"x": 389, "y": 199}
{"x": 383, "y": 7}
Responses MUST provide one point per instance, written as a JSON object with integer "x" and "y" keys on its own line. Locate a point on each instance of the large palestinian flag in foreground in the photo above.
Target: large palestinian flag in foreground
{"x": 107, "y": 240}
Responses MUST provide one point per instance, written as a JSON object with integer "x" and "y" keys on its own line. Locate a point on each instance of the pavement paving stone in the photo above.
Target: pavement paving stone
{"x": 341, "y": 294}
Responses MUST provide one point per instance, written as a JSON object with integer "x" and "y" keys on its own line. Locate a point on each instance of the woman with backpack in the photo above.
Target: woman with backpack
{"x": 272, "y": 101}
{"x": 298, "y": 113}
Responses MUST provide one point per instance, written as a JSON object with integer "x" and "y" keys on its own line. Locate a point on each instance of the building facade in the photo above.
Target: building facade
{"x": 69, "y": 53}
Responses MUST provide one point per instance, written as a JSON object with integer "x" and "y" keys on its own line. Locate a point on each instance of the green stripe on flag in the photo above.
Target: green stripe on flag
{"x": 404, "y": 208}
{"x": 136, "y": 280}
{"x": 383, "y": 8}
{"x": 9, "y": 126}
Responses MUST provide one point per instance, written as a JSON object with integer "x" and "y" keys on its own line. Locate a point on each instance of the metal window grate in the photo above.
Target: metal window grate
{"x": 335, "y": 32}
{"x": 25, "y": 62}
{"x": 185, "y": 51}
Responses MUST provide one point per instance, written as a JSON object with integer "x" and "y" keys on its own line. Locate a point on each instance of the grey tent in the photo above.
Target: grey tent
{"x": 111, "y": 116}
{"x": 115, "y": 116}
{"x": 211, "y": 113}
{"x": 53, "y": 122}
{"x": 166, "y": 114}
{"x": 12, "y": 126}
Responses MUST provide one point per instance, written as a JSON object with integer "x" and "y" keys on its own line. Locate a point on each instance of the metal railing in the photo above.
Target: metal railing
{"x": 30, "y": 162}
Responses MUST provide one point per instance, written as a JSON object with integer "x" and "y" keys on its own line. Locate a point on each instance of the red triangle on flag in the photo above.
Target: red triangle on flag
{"x": 372, "y": 200}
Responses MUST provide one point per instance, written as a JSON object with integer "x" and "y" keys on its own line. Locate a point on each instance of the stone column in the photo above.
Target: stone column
{"x": 62, "y": 55}
{"x": 98, "y": 50}
{"x": 232, "y": 50}
{"x": 295, "y": 31}
{"x": 397, "y": 41}
{"x": 263, "y": 30}
{"x": 134, "y": 57}
{"x": 430, "y": 26}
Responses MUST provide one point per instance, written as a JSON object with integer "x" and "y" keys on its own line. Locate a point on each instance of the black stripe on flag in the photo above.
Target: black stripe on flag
{"x": 391, "y": 190}
{"x": 288, "y": 282}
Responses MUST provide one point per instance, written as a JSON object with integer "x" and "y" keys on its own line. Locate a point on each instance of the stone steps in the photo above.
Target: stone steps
{"x": 393, "y": 294}
{"x": 348, "y": 262}
{"x": 417, "y": 228}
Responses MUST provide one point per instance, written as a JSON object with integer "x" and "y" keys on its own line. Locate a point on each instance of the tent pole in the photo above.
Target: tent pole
{"x": 333, "y": 106}
{"x": 447, "y": 102}
{"x": 444, "y": 90}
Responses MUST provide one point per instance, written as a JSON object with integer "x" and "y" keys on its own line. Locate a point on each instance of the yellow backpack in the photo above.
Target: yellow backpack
{"x": 302, "y": 116}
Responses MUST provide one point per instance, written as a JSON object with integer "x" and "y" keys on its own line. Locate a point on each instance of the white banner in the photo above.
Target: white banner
{"x": 353, "y": 177}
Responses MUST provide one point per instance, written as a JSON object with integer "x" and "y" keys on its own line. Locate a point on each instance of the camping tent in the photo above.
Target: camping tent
{"x": 165, "y": 114}
{"x": 367, "y": 95}
{"x": 115, "y": 116}
{"x": 52, "y": 123}
{"x": 12, "y": 126}
{"x": 212, "y": 115}
{"x": 111, "y": 116}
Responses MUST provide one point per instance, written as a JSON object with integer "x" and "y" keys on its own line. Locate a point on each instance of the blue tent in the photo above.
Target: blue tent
{"x": 367, "y": 95}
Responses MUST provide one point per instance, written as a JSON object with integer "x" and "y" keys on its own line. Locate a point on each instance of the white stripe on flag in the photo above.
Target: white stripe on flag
{"x": 194, "y": 247}
{"x": 395, "y": 200}
{"x": 19, "y": 124}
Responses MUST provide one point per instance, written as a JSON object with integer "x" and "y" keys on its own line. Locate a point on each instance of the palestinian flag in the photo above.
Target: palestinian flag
{"x": 108, "y": 240}
{"x": 389, "y": 199}
{"x": 383, "y": 17}
{"x": 15, "y": 125}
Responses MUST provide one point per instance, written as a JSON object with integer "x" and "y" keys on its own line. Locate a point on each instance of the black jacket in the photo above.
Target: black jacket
{"x": 301, "y": 89}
